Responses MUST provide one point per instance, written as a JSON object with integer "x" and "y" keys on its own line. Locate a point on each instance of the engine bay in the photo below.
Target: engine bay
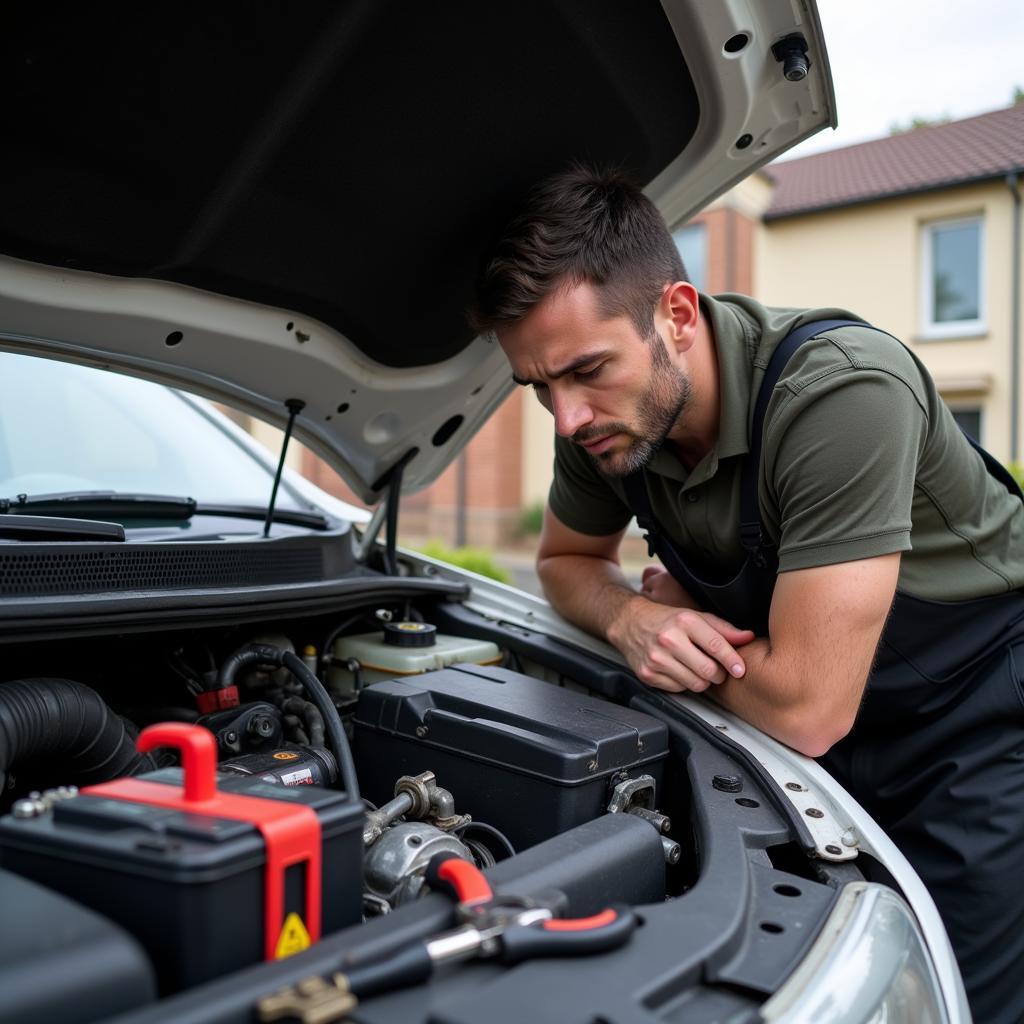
{"x": 408, "y": 732}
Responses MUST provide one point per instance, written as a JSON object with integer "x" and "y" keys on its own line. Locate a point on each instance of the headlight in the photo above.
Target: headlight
{"x": 870, "y": 965}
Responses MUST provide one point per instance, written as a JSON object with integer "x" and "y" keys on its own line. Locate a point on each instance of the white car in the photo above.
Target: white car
{"x": 283, "y": 212}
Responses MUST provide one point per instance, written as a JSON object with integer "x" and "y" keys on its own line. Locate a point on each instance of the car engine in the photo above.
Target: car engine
{"x": 186, "y": 807}
{"x": 456, "y": 749}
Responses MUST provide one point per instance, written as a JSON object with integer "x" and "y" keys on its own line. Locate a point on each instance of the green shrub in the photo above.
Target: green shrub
{"x": 531, "y": 518}
{"x": 478, "y": 560}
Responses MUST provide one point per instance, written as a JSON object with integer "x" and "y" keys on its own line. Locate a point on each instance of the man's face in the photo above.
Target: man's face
{"x": 611, "y": 391}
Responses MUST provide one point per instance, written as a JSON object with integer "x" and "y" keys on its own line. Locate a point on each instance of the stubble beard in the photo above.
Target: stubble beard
{"x": 662, "y": 403}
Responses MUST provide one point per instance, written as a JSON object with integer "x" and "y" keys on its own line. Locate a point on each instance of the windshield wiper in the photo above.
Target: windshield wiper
{"x": 101, "y": 504}
{"x": 118, "y": 504}
{"x": 57, "y": 528}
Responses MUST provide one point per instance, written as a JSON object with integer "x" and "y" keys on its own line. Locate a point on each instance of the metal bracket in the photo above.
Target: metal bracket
{"x": 834, "y": 840}
{"x": 638, "y": 792}
{"x": 636, "y": 796}
{"x": 314, "y": 1000}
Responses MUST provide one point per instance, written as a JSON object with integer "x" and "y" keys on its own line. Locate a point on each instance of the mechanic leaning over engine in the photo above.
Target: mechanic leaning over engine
{"x": 854, "y": 591}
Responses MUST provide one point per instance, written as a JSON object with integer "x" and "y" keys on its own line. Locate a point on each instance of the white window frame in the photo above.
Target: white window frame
{"x": 930, "y": 329}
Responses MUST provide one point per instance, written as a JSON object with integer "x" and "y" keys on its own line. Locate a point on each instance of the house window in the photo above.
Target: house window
{"x": 968, "y": 419}
{"x": 952, "y": 293}
{"x": 692, "y": 243}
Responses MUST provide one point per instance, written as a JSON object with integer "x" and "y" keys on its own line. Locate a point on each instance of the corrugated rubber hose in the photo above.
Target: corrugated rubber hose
{"x": 69, "y": 722}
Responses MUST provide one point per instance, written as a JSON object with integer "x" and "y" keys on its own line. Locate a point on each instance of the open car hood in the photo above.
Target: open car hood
{"x": 260, "y": 207}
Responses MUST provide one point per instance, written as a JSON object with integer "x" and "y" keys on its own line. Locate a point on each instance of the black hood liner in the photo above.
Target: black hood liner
{"x": 347, "y": 161}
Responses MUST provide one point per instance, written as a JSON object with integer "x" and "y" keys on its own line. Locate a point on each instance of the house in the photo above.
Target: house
{"x": 920, "y": 233}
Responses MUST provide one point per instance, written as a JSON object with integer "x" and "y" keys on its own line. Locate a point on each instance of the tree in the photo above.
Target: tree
{"x": 917, "y": 122}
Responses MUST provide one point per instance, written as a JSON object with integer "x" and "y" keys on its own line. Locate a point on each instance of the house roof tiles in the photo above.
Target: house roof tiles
{"x": 973, "y": 149}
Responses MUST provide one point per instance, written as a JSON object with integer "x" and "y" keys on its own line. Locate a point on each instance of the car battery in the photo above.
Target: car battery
{"x": 207, "y": 879}
{"x": 528, "y": 757}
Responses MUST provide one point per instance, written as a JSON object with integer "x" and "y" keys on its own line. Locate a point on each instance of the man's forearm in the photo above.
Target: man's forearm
{"x": 765, "y": 696}
{"x": 777, "y": 695}
{"x": 590, "y": 592}
{"x": 797, "y": 706}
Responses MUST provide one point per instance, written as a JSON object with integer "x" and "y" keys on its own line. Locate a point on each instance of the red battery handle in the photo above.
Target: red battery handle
{"x": 291, "y": 832}
{"x": 198, "y": 751}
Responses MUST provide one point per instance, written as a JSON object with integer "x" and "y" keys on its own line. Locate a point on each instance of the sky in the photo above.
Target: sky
{"x": 893, "y": 60}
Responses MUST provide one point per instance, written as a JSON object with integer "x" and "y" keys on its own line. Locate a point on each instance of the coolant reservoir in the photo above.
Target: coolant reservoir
{"x": 403, "y": 649}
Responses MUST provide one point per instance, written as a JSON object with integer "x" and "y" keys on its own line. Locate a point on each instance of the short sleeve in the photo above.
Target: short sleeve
{"x": 841, "y": 460}
{"x": 581, "y": 498}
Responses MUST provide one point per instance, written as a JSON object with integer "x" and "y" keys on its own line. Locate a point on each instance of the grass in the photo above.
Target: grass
{"x": 478, "y": 560}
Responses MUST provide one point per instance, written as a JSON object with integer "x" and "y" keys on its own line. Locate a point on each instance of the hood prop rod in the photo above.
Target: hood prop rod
{"x": 394, "y": 499}
{"x": 369, "y": 535}
{"x": 294, "y": 407}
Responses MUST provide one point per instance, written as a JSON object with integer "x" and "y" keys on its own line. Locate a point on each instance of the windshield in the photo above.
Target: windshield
{"x": 75, "y": 428}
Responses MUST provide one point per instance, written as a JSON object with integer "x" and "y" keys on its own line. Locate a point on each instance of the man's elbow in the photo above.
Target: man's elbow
{"x": 545, "y": 566}
{"x": 814, "y": 732}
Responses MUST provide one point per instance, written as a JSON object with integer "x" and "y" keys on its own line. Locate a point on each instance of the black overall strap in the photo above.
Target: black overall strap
{"x": 658, "y": 544}
{"x": 995, "y": 467}
{"x": 752, "y": 536}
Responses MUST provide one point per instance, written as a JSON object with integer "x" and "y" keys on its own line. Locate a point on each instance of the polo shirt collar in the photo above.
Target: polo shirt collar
{"x": 735, "y": 341}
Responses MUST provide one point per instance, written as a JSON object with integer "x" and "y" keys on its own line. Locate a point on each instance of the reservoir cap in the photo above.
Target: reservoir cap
{"x": 410, "y": 634}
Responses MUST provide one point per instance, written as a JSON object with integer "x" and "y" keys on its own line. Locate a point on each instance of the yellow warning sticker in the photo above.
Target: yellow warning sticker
{"x": 293, "y": 938}
{"x": 285, "y": 755}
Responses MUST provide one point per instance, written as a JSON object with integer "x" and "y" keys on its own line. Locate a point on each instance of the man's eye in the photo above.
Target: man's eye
{"x": 589, "y": 374}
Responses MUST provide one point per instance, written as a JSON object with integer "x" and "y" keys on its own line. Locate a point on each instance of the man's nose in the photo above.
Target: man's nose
{"x": 570, "y": 414}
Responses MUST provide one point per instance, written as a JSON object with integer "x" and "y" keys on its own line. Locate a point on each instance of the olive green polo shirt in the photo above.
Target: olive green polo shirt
{"x": 861, "y": 458}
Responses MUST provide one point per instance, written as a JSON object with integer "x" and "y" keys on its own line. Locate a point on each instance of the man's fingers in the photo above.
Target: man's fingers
{"x": 683, "y": 649}
{"x": 671, "y": 651}
{"x": 732, "y": 633}
{"x": 670, "y": 676}
{"x": 702, "y": 635}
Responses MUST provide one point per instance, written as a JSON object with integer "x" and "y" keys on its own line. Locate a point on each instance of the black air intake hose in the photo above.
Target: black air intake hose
{"x": 70, "y": 722}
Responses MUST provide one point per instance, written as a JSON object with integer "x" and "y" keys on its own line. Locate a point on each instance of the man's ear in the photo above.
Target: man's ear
{"x": 680, "y": 311}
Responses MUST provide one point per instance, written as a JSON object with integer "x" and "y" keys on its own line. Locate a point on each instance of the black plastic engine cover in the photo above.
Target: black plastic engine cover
{"x": 531, "y": 758}
{"x": 61, "y": 963}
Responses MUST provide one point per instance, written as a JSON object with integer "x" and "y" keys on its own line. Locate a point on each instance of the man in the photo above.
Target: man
{"x": 874, "y": 519}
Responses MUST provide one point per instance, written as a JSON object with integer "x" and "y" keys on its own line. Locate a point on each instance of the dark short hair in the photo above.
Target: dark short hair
{"x": 583, "y": 225}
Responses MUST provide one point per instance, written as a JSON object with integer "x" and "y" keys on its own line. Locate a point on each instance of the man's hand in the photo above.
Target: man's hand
{"x": 668, "y": 643}
{"x": 659, "y": 585}
{"x": 677, "y": 648}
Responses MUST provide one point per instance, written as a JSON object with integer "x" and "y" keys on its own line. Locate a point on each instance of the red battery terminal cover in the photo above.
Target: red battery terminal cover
{"x": 217, "y": 700}
{"x": 291, "y": 832}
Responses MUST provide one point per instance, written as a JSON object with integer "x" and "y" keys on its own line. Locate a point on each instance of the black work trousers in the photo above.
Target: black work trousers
{"x": 937, "y": 758}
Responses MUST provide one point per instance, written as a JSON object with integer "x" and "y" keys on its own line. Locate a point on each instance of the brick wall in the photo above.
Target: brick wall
{"x": 730, "y": 239}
